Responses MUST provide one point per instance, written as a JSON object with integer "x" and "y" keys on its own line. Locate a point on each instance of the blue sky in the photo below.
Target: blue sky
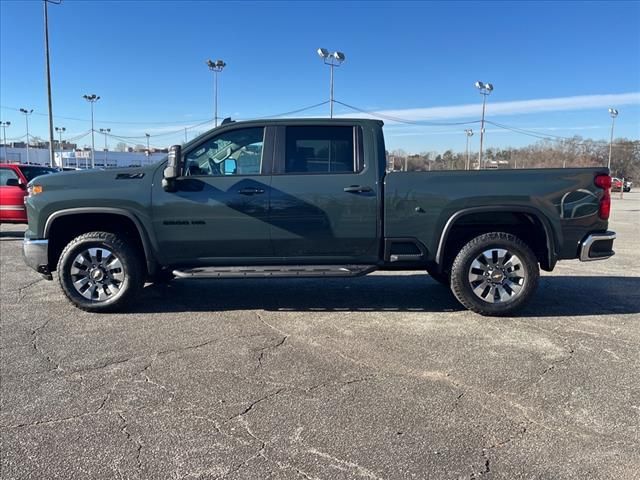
{"x": 413, "y": 60}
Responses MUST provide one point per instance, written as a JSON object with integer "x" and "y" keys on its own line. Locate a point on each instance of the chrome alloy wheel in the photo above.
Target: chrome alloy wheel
{"x": 97, "y": 274}
{"x": 497, "y": 276}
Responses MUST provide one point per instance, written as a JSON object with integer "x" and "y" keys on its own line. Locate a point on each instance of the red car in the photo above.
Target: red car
{"x": 616, "y": 184}
{"x": 13, "y": 189}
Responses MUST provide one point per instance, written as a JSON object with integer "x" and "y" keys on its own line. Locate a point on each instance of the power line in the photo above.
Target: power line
{"x": 115, "y": 122}
{"x": 384, "y": 116}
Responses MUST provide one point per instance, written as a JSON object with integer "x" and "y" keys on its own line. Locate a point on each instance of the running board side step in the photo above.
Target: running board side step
{"x": 281, "y": 271}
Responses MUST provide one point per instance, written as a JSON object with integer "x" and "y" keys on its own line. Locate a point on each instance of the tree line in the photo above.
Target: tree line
{"x": 567, "y": 153}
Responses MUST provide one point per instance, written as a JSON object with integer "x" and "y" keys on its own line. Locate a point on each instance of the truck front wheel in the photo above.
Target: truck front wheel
{"x": 494, "y": 274}
{"x": 100, "y": 271}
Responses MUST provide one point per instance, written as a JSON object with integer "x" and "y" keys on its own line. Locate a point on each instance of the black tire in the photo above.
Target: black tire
{"x": 117, "y": 293}
{"x": 505, "y": 295}
{"x": 443, "y": 278}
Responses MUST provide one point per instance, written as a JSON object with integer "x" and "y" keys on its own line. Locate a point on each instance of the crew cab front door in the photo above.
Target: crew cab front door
{"x": 219, "y": 213}
{"x": 324, "y": 200}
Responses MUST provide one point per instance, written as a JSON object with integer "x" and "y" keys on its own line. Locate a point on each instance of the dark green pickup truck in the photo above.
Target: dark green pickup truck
{"x": 310, "y": 198}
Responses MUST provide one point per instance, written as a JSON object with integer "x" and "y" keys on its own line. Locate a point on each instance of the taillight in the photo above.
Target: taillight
{"x": 604, "y": 182}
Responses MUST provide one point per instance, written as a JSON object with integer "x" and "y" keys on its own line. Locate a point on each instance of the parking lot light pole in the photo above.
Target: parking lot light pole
{"x": 614, "y": 113}
{"x": 48, "y": 71}
{"x": 105, "y": 131}
{"x": 4, "y": 126}
{"x": 485, "y": 89}
{"x": 469, "y": 133}
{"x": 333, "y": 59}
{"x": 60, "y": 130}
{"x": 26, "y": 117}
{"x": 92, "y": 99}
{"x": 216, "y": 67}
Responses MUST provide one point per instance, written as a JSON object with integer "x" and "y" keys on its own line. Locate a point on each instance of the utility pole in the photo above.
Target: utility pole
{"x": 469, "y": 133}
{"x": 105, "y": 131}
{"x": 60, "y": 130}
{"x": 26, "y": 117}
{"x": 614, "y": 113}
{"x": 485, "y": 89}
{"x": 92, "y": 99}
{"x": 216, "y": 67}
{"x": 334, "y": 59}
{"x": 4, "y": 126}
{"x": 46, "y": 46}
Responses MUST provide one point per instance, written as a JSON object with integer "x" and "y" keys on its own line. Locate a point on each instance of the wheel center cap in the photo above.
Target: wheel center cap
{"x": 497, "y": 276}
{"x": 97, "y": 274}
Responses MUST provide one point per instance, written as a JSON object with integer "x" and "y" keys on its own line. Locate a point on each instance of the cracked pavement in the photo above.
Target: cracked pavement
{"x": 380, "y": 377}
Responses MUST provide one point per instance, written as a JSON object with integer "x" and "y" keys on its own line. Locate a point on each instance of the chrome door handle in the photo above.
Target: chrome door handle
{"x": 357, "y": 189}
{"x": 250, "y": 191}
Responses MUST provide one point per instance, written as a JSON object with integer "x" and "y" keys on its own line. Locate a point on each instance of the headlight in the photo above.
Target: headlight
{"x": 34, "y": 190}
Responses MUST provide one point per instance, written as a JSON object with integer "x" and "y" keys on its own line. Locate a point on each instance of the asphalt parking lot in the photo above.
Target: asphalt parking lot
{"x": 381, "y": 377}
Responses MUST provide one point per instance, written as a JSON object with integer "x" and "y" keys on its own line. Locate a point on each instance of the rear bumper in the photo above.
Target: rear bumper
{"x": 597, "y": 246}
{"x": 36, "y": 255}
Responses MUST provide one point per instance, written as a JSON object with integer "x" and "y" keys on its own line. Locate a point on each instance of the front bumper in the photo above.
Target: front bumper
{"x": 36, "y": 255}
{"x": 597, "y": 246}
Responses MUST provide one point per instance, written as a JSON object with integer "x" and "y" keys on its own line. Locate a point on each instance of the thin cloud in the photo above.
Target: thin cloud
{"x": 560, "y": 104}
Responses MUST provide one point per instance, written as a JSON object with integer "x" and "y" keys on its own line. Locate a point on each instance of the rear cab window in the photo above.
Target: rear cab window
{"x": 318, "y": 149}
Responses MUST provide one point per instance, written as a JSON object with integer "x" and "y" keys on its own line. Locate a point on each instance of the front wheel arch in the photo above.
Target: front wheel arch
{"x": 64, "y": 225}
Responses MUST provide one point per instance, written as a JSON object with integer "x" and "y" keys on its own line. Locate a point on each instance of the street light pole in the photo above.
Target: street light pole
{"x": 4, "y": 126}
{"x": 93, "y": 98}
{"x": 485, "y": 89}
{"x": 26, "y": 117}
{"x": 469, "y": 133}
{"x": 614, "y": 113}
{"x": 216, "y": 67}
{"x": 46, "y": 46}
{"x": 60, "y": 130}
{"x": 105, "y": 131}
{"x": 334, "y": 59}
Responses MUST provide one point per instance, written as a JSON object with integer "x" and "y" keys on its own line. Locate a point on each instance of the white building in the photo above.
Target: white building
{"x": 80, "y": 158}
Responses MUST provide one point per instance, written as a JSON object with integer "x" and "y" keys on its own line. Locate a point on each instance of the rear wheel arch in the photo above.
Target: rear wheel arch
{"x": 65, "y": 225}
{"x": 466, "y": 224}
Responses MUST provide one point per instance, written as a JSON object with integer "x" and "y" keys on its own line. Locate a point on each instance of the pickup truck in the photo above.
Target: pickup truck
{"x": 310, "y": 198}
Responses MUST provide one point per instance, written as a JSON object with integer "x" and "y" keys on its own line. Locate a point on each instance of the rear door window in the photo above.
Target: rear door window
{"x": 320, "y": 149}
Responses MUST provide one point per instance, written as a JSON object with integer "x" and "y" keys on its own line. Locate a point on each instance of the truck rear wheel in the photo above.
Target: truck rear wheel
{"x": 100, "y": 272}
{"x": 495, "y": 274}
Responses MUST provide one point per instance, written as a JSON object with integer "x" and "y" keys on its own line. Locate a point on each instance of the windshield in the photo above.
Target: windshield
{"x": 32, "y": 172}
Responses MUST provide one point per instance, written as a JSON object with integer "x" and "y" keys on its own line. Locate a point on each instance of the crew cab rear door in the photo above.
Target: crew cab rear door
{"x": 324, "y": 202}
{"x": 219, "y": 213}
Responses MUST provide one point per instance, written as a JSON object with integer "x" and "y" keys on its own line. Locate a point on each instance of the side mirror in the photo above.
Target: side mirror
{"x": 173, "y": 169}
{"x": 15, "y": 182}
{"x": 229, "y": 166}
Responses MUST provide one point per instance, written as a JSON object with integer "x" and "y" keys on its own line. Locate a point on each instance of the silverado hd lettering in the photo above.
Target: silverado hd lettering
{"x": 310, "y": 198}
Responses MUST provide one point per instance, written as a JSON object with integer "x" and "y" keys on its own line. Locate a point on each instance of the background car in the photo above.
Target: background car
{"x": 627, "y": 185}
{"x": 616, "y": 184}
{"x": 13, "y": 189}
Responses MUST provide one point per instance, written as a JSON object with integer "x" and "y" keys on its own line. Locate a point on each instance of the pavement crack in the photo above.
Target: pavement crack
{"x": 271, "y": 326}
{"x": 256, "y": 402}
{"x": 342, "y": 383}
{"x": 130, "y": 439}
{"x": 38, "y": 349}
{"x": 345, "y": 464}
{"x": 50, "y": 422}
{"x": 552, "y": 366}
{"x": 21, "y": 290}
{"x": 265, "y": 349}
